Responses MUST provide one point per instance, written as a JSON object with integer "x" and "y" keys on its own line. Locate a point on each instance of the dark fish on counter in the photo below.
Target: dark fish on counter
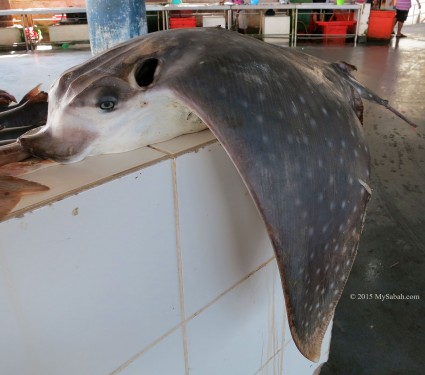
{"x": 29, "y": 113}
{"x": 6, "y": 99}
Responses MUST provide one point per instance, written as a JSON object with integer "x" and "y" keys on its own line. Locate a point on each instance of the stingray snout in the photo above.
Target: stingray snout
{"x": 64, "y": 148}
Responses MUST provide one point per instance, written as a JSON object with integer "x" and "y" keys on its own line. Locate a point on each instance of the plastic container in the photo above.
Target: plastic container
{"x": 182, "y": 23}
{"x": 381, "y": 23}
{"x": 333, "y": 28}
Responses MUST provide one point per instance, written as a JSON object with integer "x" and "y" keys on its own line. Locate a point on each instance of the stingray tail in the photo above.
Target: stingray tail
{"x": 345, "y": 70}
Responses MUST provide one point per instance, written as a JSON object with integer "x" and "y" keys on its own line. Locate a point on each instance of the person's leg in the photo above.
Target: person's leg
{"x": 401, "y": 16}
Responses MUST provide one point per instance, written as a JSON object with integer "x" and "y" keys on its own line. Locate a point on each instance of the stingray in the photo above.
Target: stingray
{"x": 289, "y": 122}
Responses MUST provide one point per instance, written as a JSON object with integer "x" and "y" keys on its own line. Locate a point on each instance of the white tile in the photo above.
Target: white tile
{"x": 241, "y": 331}
{"x": 165, "y": 358}
{"x": 222, "y": 236}
{"x": 95, "y": 275}
{"x": 15, "y": 356}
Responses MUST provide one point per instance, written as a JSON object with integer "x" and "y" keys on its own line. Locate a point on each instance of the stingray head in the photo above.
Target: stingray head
{"x": 96, "y": 111}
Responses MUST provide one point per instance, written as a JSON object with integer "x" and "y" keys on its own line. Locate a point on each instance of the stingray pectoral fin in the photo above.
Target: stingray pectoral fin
{"x": 301, "y": 164}
{"x": 11, "y": 191}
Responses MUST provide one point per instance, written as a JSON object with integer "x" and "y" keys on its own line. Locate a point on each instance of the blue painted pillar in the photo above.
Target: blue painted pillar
{"x": 114, "y": 21}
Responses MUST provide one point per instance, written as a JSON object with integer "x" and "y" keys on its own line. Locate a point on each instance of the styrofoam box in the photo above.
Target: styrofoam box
{"x": 10, "y": 35}
{"x": 275, "y": 26}
{"x": 63, "y": 33}
{"x": 213, "y": 21}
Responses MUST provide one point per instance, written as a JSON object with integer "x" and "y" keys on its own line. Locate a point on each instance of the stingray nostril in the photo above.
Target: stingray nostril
{"x": 145, "y": 73}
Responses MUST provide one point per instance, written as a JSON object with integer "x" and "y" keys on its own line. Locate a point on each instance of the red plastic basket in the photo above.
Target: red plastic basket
{"x": 332, "y": 28}
{"x": 182, "y": 23}
{"x": 381, "y": 23}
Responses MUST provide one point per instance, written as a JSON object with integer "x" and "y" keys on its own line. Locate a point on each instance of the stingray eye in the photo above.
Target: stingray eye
{"x": 145, "y": 73}
{"x": 107, "y": 105}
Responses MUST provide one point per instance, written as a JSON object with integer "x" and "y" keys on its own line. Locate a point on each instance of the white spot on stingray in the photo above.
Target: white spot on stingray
{"x": 298, "y": 202}
{"x": 244, "y": 103}
{"x": 329, "y": 143}
{"x": 317, "y": 271}
{"x": 331, "y": 179}
{"x": 309, "y": 309}
{"x": 305, "y": 139}
{"x": 350, "y": 180}
{"x": 317, "y": 288}
{"x": 304, "y": 214}
{"x": 313, "y": 123}
{"x": 310, "y": 174}
{"x": 343, "y": 278}
{"x": 327, "y": 267}
{"x": 332, "y": 206}
{"x": 322, "y": 291}
{"x": 325, "y": 111}
{"x": 341, "y": 160}
{"x": 260, "y": 119}
{"x": 280, "y": 114}
{"x": 347, "y": 263}
{"x": 294, "y": 109}
{"x": 343, "y": 204}
{"x": 261, "y": 97}
{"x": 355, "y": 208}
{"x": 310, "y": 231}
{"x": 320, "y": 198}
{"x": 341, "y": 228}
{"x": 344, "y": 249}
{"x": 265, "y": 138}
{"x": 312, "y": 255}
{"x": 290, "y": 138}
{"x": 332, "y": 285}
{"x": 320, "y": 163}
{"x": 222, "y": 90}
{"x": 302, "y": 99}
{"x": 336, "y": 268}
{"x": 317, "y": 305}
{"x": 356, "y": 154}
{"x": 325, "y": 228}
{"x": 343, "y": 145}
{"x": 336, "y": 248}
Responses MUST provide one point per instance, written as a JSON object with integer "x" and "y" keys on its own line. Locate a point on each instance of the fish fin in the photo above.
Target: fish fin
{"x": 11, "y": 191}
{"x": 299, "y": 163}
{"x": 30, "y": 94}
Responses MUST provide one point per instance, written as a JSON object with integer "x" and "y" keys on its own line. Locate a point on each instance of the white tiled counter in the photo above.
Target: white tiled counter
{"x": 148, "y": 262}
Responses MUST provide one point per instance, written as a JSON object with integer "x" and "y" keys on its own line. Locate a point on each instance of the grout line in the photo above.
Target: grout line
{"x": 269, "y": 360}
{"x": 183, "y": 323}
{"x": 209, "y": 304}
{"x": 180, "y": 264}
{"x": 143, "y": 351}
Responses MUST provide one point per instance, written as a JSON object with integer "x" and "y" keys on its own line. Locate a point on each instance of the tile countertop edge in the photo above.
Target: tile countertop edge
{"x": 89, "y": 167}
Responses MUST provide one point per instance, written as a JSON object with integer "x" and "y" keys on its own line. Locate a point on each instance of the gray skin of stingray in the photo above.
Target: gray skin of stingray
{"x": 290, "y": 124}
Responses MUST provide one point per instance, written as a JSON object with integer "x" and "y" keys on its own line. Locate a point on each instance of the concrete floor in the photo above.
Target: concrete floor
{"x": 369, "y": 336}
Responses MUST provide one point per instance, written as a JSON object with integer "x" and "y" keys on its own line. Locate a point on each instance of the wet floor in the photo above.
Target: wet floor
{"x": 370, "y": 336}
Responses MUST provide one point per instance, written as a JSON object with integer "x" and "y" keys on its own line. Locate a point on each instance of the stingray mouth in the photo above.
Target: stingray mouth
{"x": 70, "y": 147}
